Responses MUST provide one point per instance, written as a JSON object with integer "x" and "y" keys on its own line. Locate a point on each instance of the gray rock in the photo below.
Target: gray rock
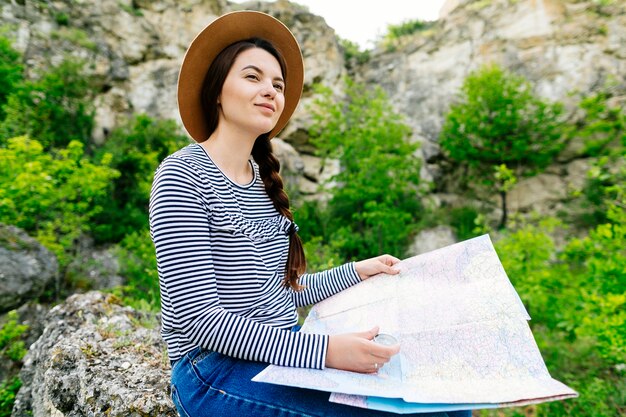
{"x": 431, "y": 239}
{"x": 537, "y": 192}
{"x": 93, "y": 268}
{"x": 26, "y": 268}
{"x": 96, "y": 357}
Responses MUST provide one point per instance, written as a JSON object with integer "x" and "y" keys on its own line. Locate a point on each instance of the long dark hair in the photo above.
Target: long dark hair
{"x": 269, "y": 166}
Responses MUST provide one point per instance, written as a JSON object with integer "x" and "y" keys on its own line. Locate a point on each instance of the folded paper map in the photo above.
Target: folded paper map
{"x": 463, "y": 332}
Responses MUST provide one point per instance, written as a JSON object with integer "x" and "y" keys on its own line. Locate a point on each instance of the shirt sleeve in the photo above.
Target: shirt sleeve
{"x": 321, "y": 285}
{"x": 179, "y": 225}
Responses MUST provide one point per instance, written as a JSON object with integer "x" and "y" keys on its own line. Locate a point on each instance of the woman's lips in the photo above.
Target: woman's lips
{"x": 267, "y": 106}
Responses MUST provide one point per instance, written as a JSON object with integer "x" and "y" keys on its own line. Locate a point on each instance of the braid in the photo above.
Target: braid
{"x": 269, "y": 167}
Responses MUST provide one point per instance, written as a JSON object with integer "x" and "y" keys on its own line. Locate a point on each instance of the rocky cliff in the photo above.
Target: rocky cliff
{"x": 566, "y": 49}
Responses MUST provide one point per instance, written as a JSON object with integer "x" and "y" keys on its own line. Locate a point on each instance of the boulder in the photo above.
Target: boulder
{"x": 26, "y": 268}
{"x": 93, "y": 268}
{"x": 96, "y": 357}
{"x": 537, "y": 193}
{"x": 431, "y": 239}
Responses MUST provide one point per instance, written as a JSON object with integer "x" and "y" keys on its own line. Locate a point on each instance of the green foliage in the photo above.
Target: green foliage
{"x": 601, "y": 259}
{"x": 603, "y": 130}
{"x": 11, "y": 70}
{"x": 396, "y": 33}
{"x": 138, "y": 265}
{"x": 62, "y": 19}
{"x": 55, "y": 109}
{"x": 352, "y": 53}
{"x": 462, "y": 219}
{"x": 498, "y": 121}
{"x": 11, "y": 349}
{"x": 406, "y": 28}
{"x": 527, "y": 255}
{"x": 131, "y": 9}
{"x": 135, "y": 149}
{"x": 53, "y": 196}
{"x": 480, "y": 4}
{"x": 11, "y": 345}
{"x": 75, "y": 36}
{"x": 320, "y": 257}
{"x": 577, "y": 299}
{"x": 505, "y": 180}
{"x": 375, "y": 202}
{"x": 603, "y": 124}
{"x": 8, "y": 391}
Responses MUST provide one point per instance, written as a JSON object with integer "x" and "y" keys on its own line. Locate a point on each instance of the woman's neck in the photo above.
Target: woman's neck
{"x": 231, "y": 152}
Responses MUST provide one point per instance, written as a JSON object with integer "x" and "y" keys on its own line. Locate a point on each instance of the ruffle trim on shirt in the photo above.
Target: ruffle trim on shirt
{"x": 261, "y": 230}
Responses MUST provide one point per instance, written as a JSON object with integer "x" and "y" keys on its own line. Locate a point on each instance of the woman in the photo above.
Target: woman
{"x": 231, "y": 265}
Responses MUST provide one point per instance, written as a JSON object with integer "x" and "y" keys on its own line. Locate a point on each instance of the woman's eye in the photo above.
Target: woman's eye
{"x": 279, "y": 87}
{"x": 252, "y": 77}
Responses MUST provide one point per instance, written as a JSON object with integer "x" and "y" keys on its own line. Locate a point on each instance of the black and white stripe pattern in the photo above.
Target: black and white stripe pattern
{"x": 221, "y": 251}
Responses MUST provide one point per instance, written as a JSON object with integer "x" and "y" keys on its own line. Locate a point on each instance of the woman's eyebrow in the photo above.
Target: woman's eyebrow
{"x": 260, "y": 71}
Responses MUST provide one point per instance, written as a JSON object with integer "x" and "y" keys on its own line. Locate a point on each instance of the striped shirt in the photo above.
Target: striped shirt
{"x": 221, "y": 251}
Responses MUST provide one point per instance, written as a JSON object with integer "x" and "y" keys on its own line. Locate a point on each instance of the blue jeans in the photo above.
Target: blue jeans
{"x": 207, "y": 383}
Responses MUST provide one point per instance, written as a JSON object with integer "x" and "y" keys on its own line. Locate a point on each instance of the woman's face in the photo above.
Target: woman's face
{"x": 252, "y": 97}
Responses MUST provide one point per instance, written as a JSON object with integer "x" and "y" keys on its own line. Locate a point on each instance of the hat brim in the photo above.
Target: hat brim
{"x": 220, "y": 33}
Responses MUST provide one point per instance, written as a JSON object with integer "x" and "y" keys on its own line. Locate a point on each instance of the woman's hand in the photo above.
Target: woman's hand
{"x": 357, "y": 352}
{"x": 372, "y": 266}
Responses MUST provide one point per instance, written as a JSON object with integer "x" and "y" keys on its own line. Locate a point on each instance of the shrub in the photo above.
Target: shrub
{"x": 603, "y": 130}
{"x": 577, "y": 300}
{"x": 602, "y": 124}
{"x": 407, "y": 27}
{"x": 55, "y": 109}
{"x": 8, "y": 391}
{"x": 11, "y": 70}
{"x": 135, "y": 149}
{"x": 352, "y": 53}
{"x": 12, "y": 349}
{"x": 11, "y": 346}
{"x": 376, "y": 200}
{"x": 138, "y": 266}
{"x": 498, "y": 121}
{"x": 53, "y": 196}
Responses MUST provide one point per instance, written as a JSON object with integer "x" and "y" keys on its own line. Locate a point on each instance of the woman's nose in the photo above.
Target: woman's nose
{"x": 269, "y": 90}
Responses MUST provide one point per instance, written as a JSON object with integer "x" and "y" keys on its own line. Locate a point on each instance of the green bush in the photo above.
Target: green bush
{"x": 603, "y": 130}
{"x": 11, "y": 70}
{"x": 8, "y": 391}
{"x": 11, "y": 345}
{"x": 602, "y": 124}
{"x": 577, "y": 300}
{"x": 406, "y": 28}
{"x": 499, "y": 121}
{"x": 54, "y": 109}
{"x": 601, "y": 261}
{"x": 12, "y": 349}
{"x": 352, "y": 53}
{"x": 375, "y": 204}
{"x": 319, "y": 256}
{"x": 53, "y": 196}
{"x": 135, "y": 149}
{"x": 139, "y": 268}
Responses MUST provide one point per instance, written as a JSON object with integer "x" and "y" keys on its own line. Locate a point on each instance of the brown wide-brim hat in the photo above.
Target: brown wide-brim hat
{"x": 220, "y": 33}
